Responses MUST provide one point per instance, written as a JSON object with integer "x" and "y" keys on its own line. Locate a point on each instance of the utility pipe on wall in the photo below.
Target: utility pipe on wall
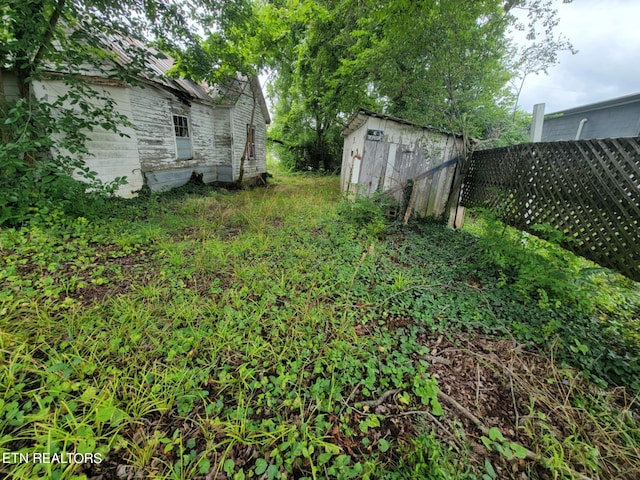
{"x": 579, "y": 132}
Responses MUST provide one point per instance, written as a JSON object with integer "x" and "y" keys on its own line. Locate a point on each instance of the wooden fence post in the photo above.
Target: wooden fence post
{"x": 456, "y": 210}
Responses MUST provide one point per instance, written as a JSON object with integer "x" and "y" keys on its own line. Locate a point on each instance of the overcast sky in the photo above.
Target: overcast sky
{"x": 606, "y": 34}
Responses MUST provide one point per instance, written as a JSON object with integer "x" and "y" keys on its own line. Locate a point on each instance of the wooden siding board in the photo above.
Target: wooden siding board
{"x": 352, "y": 159}
{"x": 112, "y": 155}
{"x": 152, "y": 115}
{"x": 240, "y": 118}
{"x": 223, "y": 139}
{"x": 373, "y": 165}
{"x": 202, "y": 134}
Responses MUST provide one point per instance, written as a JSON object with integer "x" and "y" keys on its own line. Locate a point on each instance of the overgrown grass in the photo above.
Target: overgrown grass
{"x": 591, "y": 311}
{"x": 253, "y": 334}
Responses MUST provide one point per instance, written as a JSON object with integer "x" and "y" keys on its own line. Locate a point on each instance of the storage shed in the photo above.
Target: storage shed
{"x": 388, "y": 154}
{"x": 179, "y": 127}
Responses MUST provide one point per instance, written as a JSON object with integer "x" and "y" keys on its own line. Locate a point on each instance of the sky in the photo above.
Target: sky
{"x": 606, "y": 34}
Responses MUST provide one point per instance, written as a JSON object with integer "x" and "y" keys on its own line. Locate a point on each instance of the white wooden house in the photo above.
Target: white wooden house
{"x": 387, "y": 154}
{"x": 180, "y": 127}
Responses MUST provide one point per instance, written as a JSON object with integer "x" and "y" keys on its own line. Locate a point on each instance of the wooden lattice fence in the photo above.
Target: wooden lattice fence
{"x": 587, "y": 189}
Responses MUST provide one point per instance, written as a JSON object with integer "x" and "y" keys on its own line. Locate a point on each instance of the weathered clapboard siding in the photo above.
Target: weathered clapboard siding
{"x": 223, "y": 138}
{"x": 202, "y": 134}
{"x": 152, "y": 115}
{"x": 151, "y": 153}
{"x": 383, "y": 153}
{"x": 112, "y": 155}
{"x": 241, "y": 117}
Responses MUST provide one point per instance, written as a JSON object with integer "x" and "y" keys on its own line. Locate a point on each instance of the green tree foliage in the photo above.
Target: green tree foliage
{"x": 438, "y": 63}
{"x": 44, "y": 139}
{"x": 442, "y": 63}
{"x": 313, "y": 92}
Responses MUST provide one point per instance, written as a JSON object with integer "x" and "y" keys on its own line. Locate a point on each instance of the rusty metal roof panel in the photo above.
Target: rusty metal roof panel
{"x": 158, "y": 65}
{"x": 360, "y": 117}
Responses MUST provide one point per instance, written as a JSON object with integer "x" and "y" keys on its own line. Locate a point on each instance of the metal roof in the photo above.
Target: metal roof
{"x": 360, "y": 117}
{"x": 158, "y": 66}
{"x": 613, "y": 102}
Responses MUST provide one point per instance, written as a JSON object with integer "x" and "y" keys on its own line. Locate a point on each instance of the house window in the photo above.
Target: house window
{"x": 183, "y": 140}
{"x": 251, "y": 141}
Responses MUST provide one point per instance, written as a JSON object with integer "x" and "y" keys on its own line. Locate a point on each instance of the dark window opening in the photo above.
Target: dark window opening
{"x": 181, "y": 126}
{"x": 251, "y": 141}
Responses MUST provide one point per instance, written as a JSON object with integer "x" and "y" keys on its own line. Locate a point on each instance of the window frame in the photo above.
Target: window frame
{"x": 182, "y": 137}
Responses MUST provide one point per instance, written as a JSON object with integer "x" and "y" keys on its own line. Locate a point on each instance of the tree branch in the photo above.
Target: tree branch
{"x": 380, "y": 400}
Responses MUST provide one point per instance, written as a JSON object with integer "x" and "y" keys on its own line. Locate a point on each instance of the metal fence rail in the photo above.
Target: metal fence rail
{"x": 587, "y": 189}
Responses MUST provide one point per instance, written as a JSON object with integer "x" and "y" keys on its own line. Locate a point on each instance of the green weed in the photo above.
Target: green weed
{"x": 251, "y": 334}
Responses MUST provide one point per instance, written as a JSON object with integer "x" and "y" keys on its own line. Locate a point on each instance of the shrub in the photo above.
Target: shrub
{"x": 371, "y": 214}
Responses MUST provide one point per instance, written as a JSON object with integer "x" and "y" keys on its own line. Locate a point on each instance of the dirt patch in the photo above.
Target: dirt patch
{"x": 104, "y": 273}
{"x": 489, "y": 382}
{"x": 478, "y": 373}
{"x": 132, "y": 270}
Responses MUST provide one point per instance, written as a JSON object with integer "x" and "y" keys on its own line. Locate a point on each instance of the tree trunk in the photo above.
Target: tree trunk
{"x": 27, "y": 67}
{"x": 48, "y": 34}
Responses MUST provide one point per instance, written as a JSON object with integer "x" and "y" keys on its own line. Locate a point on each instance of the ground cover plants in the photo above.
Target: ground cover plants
{"x": 283, "y": 333}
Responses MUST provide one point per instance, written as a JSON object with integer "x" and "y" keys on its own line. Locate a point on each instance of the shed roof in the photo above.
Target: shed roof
{"x": 360, "y": 117}
{"x": 613, "y": 102}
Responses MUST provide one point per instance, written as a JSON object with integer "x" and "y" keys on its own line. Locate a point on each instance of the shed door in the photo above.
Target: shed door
{"x": 390, "y": 176}
{"x": 373, "y": 165}
{"x": 355, "y": 170}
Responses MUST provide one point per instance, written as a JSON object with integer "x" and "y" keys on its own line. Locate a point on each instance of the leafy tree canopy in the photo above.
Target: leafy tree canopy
{"x": 443, "y": 63}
